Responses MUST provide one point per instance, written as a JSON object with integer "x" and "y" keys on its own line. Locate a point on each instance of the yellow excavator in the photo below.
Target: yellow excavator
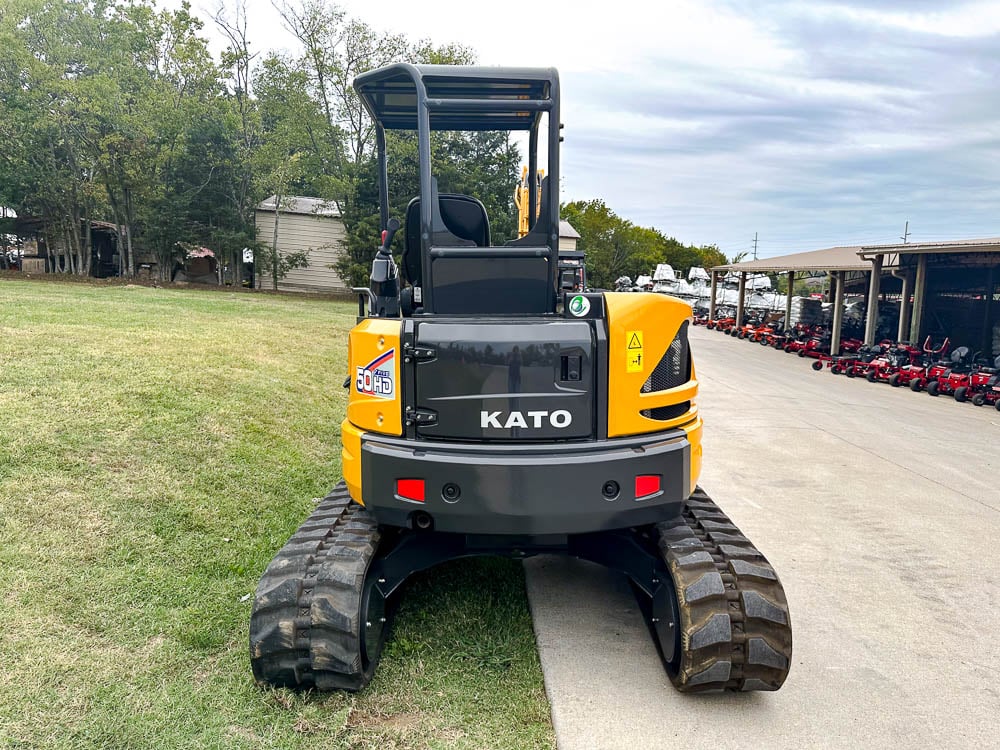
{"x": 522, "y": 201}
{"x": 572, "y": 268}
{"x": 492, "y": 412}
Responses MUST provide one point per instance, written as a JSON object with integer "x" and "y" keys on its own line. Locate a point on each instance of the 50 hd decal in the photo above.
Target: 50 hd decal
{"x": 378, "y": 377}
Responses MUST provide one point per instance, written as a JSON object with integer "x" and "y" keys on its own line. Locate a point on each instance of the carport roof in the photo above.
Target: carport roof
{"x": 987, "y": 245}
{"x": 830, "y": 259}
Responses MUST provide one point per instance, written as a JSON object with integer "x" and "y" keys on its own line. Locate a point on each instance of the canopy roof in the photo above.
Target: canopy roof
{"x": 987, "y": 245}
{"x": 830, "y": 259}
{"x": 858, "y": 258}
{"x": 458, "y": 97}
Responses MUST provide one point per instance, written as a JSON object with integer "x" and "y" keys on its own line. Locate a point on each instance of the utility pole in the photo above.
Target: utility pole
{"x": 906, "y": 232}
{"x": 755, "y": 246}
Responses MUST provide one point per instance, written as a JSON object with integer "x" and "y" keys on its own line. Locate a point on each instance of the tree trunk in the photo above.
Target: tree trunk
{"x": 88, "y": 246}
{"x": 129, "y": 224}
{"x": 130, "y": 267}
{"x": 67, "y": 249}
{"x": 274, "y": 243}
{"x": 77, "y": 240}
{"x": 238, "y": 268}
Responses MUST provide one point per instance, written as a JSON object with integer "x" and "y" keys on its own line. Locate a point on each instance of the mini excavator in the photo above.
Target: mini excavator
{"x": 491, "y": 412}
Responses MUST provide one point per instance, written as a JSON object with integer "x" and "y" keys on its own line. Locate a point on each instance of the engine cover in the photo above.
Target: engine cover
{"x": 515, "y": 380}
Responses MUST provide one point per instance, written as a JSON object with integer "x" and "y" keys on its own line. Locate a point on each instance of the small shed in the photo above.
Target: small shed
{"x": 568, "y": 236}
{"x": 310, "y": 225}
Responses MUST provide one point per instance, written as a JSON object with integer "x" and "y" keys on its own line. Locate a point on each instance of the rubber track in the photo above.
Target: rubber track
{"x": 734, "y": 622}
{"x": 305, "y": 628}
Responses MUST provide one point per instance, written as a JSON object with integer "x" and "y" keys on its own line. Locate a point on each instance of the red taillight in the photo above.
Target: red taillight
{"x": 646, "y": 485}
{"x": 410, "y": 489}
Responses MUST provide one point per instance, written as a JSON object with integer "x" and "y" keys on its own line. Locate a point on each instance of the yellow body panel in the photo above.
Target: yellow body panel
{"x": 350, "y": 455}
{"x": 375, "y": 403}
{"x": 693, "y": 430}
{"x": 640, "y": 328}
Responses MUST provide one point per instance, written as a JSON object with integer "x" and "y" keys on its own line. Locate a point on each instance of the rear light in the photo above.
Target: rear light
{"x": 646, "y": 485}
{"x": 410, "y": 489}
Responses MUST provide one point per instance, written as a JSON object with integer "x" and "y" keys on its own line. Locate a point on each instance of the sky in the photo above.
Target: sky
{"x": 811, "y": 124}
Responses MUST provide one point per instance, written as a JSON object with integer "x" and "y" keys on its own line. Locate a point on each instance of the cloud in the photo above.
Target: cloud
{"x": 877, "y": 113}
{"x": 812, "y": 122}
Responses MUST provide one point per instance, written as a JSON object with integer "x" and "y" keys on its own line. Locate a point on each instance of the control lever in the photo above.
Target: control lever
{"x": 385, "y": 276}
{"x": 387, "y": 235}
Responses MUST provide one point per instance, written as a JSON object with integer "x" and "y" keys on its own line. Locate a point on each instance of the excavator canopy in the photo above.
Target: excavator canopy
{"x": 457, "y": 98}
{"x": 449, "y": 259}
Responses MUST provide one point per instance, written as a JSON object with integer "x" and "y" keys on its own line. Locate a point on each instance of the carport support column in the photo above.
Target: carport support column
{"x": 711, "y": 301}
{"x": 919, "y": 295}
{"x": 905, "y": 309}
{"x": 741, "y": 302}
{"x": 987, "y": 344}
{"x": 838, "y": 313}
{"x": 788, "y": 300}
{"x": 871, "y": 324}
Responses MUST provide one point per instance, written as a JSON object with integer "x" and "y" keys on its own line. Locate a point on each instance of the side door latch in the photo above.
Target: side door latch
{"x": 420, "y": 416}
{"x": 418, "y": 353}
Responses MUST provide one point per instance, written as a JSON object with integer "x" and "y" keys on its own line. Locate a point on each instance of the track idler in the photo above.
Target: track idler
{"x": 721, "y": 619}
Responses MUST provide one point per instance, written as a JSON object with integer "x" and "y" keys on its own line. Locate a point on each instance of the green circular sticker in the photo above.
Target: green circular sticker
{"x": 579, "y": 306}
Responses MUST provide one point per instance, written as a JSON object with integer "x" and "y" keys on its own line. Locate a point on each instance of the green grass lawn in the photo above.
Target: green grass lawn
{"x": 157, "y": 447}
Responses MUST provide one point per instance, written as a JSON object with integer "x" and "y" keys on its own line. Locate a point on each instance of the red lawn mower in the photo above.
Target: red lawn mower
{"x": 893, "y": 359}
{"x": 956, "y": 376}
{"x": 990, "y": 393}
{"x": 722, "y": 324}
{"x": 857, "y": 364}
{"x": 979, "y": 381}
{"x": 798, "y": 336}
{"x": 848, "y": 356}
{"x": 930, "y": 365}
{"x": 919, "y": 361}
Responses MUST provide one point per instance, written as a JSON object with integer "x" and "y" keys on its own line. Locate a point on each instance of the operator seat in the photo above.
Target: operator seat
{"x": 458, "y": 221}
{"x": 496, "y": 281}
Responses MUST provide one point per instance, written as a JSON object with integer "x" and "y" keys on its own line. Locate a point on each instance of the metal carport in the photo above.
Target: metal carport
{"x": 845, "y": 265}
{"x": 953, "y": 271}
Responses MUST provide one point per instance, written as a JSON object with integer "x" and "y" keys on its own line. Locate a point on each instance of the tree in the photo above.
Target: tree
{"x": 711, "y": 256}
{"x": 118, "y": 112}
{"x": 616, "y": 247}
{"x": 336, "y": 49}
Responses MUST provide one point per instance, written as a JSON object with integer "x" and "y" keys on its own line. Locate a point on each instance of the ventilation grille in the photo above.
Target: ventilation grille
{"x": 664, "y": 413}
{"x": 673, "y": 370}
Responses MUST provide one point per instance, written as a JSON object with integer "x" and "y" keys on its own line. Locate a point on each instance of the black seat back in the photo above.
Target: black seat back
{"x": 459, "y": 221}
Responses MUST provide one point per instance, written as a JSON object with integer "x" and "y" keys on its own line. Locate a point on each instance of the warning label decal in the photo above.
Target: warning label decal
{"x": 634, "y": 357}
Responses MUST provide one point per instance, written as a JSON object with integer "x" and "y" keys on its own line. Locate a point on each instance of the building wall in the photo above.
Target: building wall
{"x": 567, "y": 243}
{"x": 322, "y": 236}
{"x": 33, "y": 265}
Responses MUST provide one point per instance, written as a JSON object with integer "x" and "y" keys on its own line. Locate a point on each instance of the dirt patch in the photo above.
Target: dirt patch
{"x": 402, "y": 722}
{"x": 244, "y": 733}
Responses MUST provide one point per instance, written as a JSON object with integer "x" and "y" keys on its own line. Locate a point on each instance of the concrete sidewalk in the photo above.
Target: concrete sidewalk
{"x": 880, "y": 510}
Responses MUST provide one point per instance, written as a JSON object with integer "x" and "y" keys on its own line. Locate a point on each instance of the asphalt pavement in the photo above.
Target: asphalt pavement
{"x": 880, "y": 510}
